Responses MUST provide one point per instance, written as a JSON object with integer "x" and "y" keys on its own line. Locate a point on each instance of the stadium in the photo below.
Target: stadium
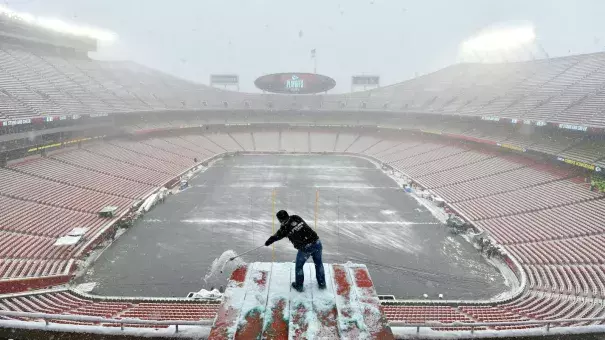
{"x": 473, "y": 196}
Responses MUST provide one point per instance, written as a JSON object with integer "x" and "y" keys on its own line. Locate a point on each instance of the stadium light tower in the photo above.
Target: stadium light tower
{"x": 496, "y": 44}
{"x": 59, "y": 26}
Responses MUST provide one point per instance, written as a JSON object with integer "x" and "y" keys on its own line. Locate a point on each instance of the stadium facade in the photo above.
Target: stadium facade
{"x": 516, "y": 149}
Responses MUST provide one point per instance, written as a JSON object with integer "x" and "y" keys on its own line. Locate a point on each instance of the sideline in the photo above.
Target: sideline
{"x": 517, "y": 288}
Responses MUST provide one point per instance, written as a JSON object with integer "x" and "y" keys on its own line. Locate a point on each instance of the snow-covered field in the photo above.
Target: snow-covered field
{"x": 362, "y": 216}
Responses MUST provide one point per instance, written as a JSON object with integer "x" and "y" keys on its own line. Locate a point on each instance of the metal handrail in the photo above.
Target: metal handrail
{"x": 473, "y": 326}
{"x": 96, "y": 319}
{"x": 489, "y": 324}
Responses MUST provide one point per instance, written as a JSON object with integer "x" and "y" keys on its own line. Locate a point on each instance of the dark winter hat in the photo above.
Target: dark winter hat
{"x": 282, "y": 215}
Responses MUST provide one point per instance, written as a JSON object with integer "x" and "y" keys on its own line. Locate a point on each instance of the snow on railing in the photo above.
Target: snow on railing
{"x": 47, "y": 318}
{"x": 137, "y": 298}
{"x": 422, "y": 330}
{"x": 477, "y": 329}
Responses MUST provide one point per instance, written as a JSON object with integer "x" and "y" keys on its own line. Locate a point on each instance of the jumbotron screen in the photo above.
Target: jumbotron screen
{"x": 295, "y": 83}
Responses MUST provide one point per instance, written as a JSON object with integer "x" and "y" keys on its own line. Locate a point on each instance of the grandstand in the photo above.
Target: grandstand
{"x": 562, "y": 91}
{"x": 508, "y": 146}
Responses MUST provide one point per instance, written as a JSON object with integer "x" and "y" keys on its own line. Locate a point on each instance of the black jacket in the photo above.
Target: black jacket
{"x": 297, "y": 231}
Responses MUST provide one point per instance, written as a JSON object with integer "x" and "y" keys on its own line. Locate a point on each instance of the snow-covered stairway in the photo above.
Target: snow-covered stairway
{"x": 368, "y": 304}
{"x": 260, "y": 304}
{"x": 228, "y": 313}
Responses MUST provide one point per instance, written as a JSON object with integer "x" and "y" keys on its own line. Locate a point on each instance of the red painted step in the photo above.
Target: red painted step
{"x": 228, "y": 314}
{"x": 348, "y": 317}
{"x": 373, "y": 315}
{"x": 250, "y": 325}
{"x": 300, "y": 305}
{"x": 277, "y": 313}
{"x": 324, "y": 306}
{"x": 277, "y": 329}
{"x": 259, "y": 303}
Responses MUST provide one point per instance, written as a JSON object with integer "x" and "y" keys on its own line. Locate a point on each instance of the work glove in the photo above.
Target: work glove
{"x": 270, "y": 241}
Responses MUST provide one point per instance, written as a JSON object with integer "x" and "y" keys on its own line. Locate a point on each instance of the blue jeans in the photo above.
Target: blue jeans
{"x": 314, "y": 250}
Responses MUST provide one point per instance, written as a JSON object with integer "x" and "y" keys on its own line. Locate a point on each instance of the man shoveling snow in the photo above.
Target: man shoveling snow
{"x": 306, "y": 241}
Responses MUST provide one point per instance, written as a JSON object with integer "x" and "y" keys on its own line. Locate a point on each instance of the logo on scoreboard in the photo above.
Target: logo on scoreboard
{"x": 295, "y": 83}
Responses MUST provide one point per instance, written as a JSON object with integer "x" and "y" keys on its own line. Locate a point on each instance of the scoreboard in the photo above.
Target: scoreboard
{"x": 365, "y": 80}
{"x": 226, "y": 81}
{"x": 295, "y": 83}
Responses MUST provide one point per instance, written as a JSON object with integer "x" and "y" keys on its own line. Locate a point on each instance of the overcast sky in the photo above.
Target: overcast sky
{"x": 395, "y": 39}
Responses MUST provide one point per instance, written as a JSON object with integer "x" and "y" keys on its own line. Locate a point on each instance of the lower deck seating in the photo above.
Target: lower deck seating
{"x": 551, "y": 224}
{"x": 32, "y": 218}
{"x": 344, "y": 140}
{"x": 67, "y": 302}
{"x": 425, "y": 314}
{"x": 580, "y": 219}
{"x": 45, "y": 198}
{"x": 468, "y": 172}
{"x": 244, "y": 139}
{"x": 509, "y": 181}
{"x": 34, "y": 189}
{"x": 445, "y": 164}
{"x": 54, "y": 170}
{"x": 28, "y": 268}
{"x": 542, "y": 196}
{"x": 295, "y": 141}
{"x": 124, "y": 154}
{"x": 114, "y": 167}
{"x": 173, "y": 311}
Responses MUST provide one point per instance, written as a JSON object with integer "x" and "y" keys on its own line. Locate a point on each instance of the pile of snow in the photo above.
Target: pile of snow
{"x": 196, "y": 171}
{"x": 437, "y": 212}
{"x": 67, "y": 240}
{"x": 152, "y": 200}
{"x": 86, "y": 287}
{"x": 73, "y": 237}
{"x": 148, "y": 203}
{"x": 207, "y": 295}
{"x": 222, "y": 264}
{"x": 423, "y": 193}
{"x": 77, "y": 232}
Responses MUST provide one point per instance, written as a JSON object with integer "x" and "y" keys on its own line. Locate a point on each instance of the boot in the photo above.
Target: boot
{"x": 297, "y": 287}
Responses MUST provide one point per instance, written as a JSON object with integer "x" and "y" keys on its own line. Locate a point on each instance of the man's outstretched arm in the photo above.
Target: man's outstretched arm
{"x": 281, "y": 233}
